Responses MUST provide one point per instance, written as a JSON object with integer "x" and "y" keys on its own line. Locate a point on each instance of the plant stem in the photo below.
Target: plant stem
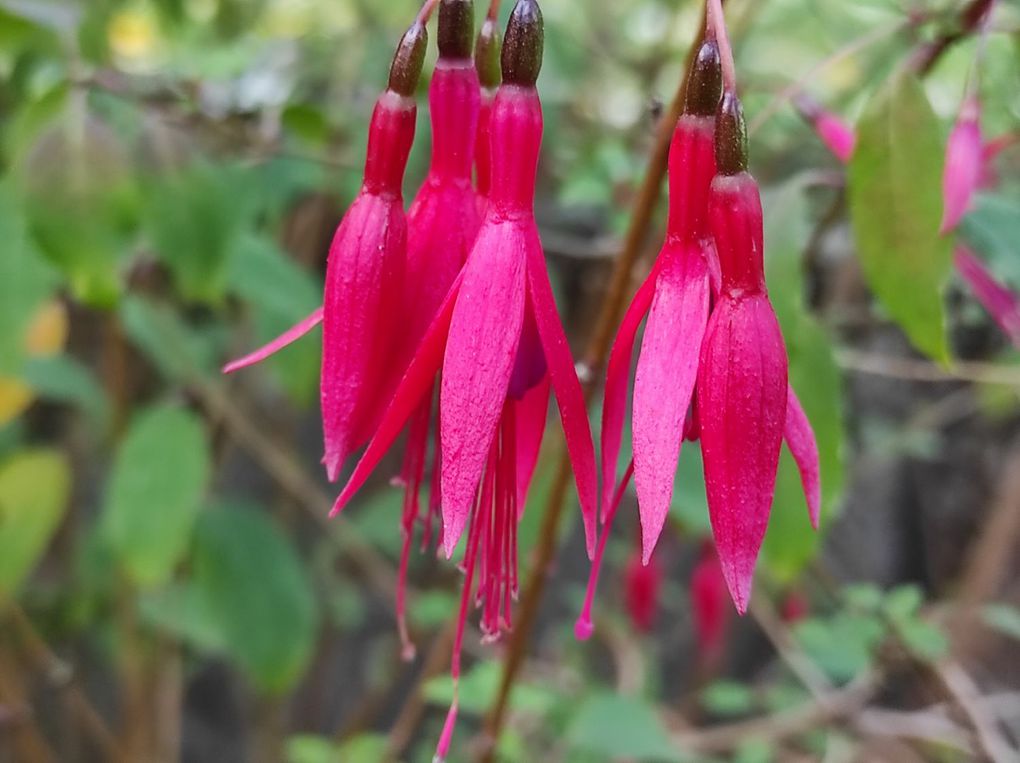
{"x": 598, "y": 348}
{"x": 928, "y": 54}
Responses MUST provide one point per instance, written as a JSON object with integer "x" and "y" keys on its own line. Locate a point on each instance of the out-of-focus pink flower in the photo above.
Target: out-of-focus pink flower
{"x": 499, "y": 344}
{"x": 836, "y": 134}
{"x": 709, "y": 605}
{"x": 642, "y": 584}
{"x": 1002, "y": 303}
{"x": 964, "y": 161}
{"x": 795, "y": 607}
{"x": 365, "y": 273}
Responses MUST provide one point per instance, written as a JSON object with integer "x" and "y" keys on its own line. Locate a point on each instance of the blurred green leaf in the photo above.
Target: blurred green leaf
{"x": 155, "y": 491}
{"x": 1003, "y": 618}
{"x": 865, "y": 597}
{"x": 727, "y": 698}
{"x": 248, "y": 573}
{"x": 923, "y": 639}
{"x": 194, "y": 217}
{"x": 903, "y": 603}
{"x": 158, "y": 331}
{"x": 26, "y": 280}
{"x": 34, "y": 489}
{"x": 615, "y": 726}
{"x": 993, "y": 229}
{"x": 842, "y": 646}
{"x": 64, "y": 379}
{"x": 280, "y": 294}
{"x": 182, "y": 611}
{"x": 895, "y": 194}
{"x": 478, "y": 689}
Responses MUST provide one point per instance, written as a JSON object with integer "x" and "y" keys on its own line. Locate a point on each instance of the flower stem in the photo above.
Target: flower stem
{"x": 598, "y": 348}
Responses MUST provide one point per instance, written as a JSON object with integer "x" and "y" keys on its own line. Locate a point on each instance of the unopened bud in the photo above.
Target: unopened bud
{"x": 523, "y": 45}
{"x": 456, "y": 27}
{"x": 704, "y": 81}
{"x": 730, "y": 136}
{"x": 408, "y": 60}
{"x": 487, "y": 52}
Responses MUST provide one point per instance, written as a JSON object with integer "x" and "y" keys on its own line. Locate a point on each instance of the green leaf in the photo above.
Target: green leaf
{"x": 194, "y": 218}
{"x": 895, "y": 194}
{"x": 993, "y": 229}
{"x": 1003, "y": 618}
{"x": 26, "y": 280}
{"x": 923, "y": 639}
{"x": 280, "y": 294}
{"x": 181, "y": 610}
{"x": 844, "y": 645}
{"x": 34, "y": 489}
{"x": 64, "y": 379}
{"x": 614, "y": 726}
{"x": 158, "y": 331}
{"x": 903, "y": 602}
{"x": 727, "y": 698}
{"x": 478, "y": 689}
{"x": 247, "y": 572}
{"x": 155, "y": 491}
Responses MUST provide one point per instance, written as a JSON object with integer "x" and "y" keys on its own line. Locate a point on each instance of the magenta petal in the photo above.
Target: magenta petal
{"x": 532, "y": 410}
{"x": 742, "y": 398}
{"x": 569, "y": 396}
{"x": 964, "y": 164}
{"x": 289, "y": 336}
{"x": 480, "y": 353}
{"x": 614, "y": 399}
{"x": 800, "y": 439}
{"x": 413, "y": 388}
{"x": 1001, "y": 303}
{"x": 837, "y": 136}
{"x": 664, "y": 383}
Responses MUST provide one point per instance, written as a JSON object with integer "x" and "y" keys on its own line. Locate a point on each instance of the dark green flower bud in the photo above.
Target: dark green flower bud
{"x": 408, "y": 60}
{"x": 704, "y": 81}
{"x": 456, "y": 27}
{"x": 523, "y": 45}
{"x": 487, "y": 51}
{"x": 730, "y": 136}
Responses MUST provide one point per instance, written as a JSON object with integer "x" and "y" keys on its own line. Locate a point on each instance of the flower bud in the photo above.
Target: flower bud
{"x": 408, "y": 60}
{"x": 456, "y": 26}
{"x": 730, "y": 136}
{"x": 704, "y": 81}
{"x": 523, "y": 45}
{"x": 487, "y": 52}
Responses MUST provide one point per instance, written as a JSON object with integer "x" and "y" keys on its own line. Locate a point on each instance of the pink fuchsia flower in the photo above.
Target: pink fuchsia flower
{"x": 742, "y": 379}
{"x": 795, "y": 607}
{"x": 642, "y": 584}
{"x": 1002, "y": 303}
{"x": 500, "y": 347}
{"x": 964, "y": 160}
{"x": 365, "y": 272}
{"x": 709, "y": 606}
{"x": 442, "y": 225}
{"x": 836, "y": 134}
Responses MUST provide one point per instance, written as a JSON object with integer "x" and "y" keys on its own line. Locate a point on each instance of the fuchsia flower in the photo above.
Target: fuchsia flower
{"x": 964, "y": 158}
{"x": 500, "y": 347}
{"x": 641, "y": 586}
{"x": 442, "y": 225}
{"x": 836, "y": 134}
{"x": 969, "y": 166}
{"x": 365, "y": 272}
{"x": 711, "y": 351}
{"x": 709, "y": 606}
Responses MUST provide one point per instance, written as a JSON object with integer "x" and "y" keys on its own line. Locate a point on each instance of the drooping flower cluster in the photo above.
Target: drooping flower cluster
{"x": 455, "y": 297}
{"x": 712, "y": 364}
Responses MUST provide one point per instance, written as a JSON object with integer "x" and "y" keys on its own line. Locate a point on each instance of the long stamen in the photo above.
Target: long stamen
{"x": 583, "y": 628}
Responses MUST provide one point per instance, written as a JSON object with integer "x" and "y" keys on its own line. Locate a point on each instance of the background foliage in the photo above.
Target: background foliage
{"x": 170, "y": 175}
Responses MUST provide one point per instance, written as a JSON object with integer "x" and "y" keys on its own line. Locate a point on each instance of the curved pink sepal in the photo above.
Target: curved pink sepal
{"x": 1001, "y": 303}
{"x": 800, "y": 439}
{"x": 413, "y": 388}
{"x": 664, "y": 383}
{"x": 479, "y": 360}
{"x": 964, "y": 165}
{"x": 289, "y": 336}
{"x": 614, "y": 400}
{"x": 569, "y": 396}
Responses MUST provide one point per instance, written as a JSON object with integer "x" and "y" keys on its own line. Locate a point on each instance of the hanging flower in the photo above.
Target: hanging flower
{"x": 964, "y": 158}
{"x": 365, "y": 272}
{"x": 709, "y": 606}
{"x": 500, "y": 347}
{"x": 685, "y": 288}
{"x": 642, "y": 584}
{"x": 442, "y": 225}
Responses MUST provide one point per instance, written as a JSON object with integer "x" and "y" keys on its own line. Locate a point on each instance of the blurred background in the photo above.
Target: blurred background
{"x": 171, "y": 173}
